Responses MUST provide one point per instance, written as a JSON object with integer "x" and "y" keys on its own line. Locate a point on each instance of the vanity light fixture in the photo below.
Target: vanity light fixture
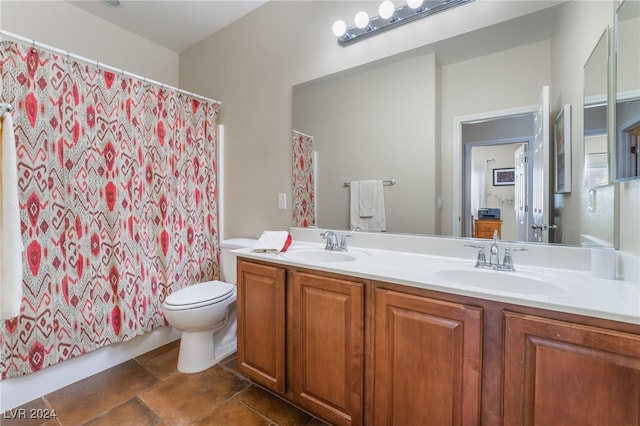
{"x": 389, "y": 17}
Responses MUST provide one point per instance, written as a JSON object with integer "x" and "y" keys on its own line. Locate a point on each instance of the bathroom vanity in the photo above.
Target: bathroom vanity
{"x": 355, "y": 340}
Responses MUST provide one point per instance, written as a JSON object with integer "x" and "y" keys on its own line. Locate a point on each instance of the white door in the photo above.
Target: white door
{"x": 540, "y": 162}
{"x": 521, "y": 194}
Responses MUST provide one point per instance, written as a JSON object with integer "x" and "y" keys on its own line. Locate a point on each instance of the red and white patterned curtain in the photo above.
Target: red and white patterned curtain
{"x": 117, "y": 187}
{"x": 304, "y": 206}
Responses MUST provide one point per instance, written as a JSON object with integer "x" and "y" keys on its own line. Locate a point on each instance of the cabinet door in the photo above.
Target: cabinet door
{"x": 428, "y": 361}
{"x": 328, "y": 345}
{"x": 559, "y": 373}
{"x": 261, "y": 324}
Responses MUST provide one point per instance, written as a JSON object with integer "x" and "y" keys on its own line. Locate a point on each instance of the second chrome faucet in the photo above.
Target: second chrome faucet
{"x": 494, "y": 256}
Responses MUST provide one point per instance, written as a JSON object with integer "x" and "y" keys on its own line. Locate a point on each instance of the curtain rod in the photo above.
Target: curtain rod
{"x": 303, "y": 134}
{"x": 11, "y": 36}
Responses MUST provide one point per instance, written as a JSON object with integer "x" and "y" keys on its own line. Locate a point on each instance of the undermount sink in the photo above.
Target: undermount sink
{"x": 506, "y": 282}
{"x": 320, "y": 255}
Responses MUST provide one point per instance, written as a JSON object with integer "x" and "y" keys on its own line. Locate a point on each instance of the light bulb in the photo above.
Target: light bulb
{"x": 361, "y": 20}
{"x": 414, "y": 4}
{"x": 339, "y": 28}
{"x": 386, "y": 9}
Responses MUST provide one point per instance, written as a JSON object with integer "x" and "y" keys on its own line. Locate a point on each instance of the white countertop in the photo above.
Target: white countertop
{"x": 572, "y": 291}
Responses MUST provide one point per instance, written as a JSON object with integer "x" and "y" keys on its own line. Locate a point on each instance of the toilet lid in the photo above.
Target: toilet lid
{"x": 210, "y": 292}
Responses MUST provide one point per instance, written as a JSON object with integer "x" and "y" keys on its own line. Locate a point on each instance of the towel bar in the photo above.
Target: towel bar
{"x": 388, "y": 182}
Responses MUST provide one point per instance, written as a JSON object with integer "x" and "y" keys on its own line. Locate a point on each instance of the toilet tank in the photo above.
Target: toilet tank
{"x": 228, "y": 259}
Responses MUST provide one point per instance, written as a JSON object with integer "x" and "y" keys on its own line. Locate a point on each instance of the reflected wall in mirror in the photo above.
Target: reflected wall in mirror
{"x": 627, "y": 112}
{"x": 597, "y": 193}
{"x": 394, "y": 118}
{"x": 375, "y": 124}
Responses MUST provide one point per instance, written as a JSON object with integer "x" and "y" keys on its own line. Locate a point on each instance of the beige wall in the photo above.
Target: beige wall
{"x": 63, "y": 26}
{"x": 381, "y": 127}
{"x": 252, "y": 65}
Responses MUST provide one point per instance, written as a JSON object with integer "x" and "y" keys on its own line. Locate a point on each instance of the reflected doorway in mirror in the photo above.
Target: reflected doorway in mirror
{"x": 562, "y": 147}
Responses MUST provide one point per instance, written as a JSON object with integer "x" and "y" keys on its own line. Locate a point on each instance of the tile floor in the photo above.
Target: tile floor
{"x": 149, "y": 390}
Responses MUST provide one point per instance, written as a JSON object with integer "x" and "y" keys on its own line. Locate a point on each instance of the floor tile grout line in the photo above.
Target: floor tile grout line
{"x": 160, "y": 380}
{"x": 270, "y": 420}
{"x": 162, "y": 419}
{"x": 103, "y": 412}
{"x": 50, "y": 407}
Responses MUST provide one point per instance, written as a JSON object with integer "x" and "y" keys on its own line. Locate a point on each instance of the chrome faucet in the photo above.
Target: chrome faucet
{"x": 494, "y": 256}
{"x": 494, "y": 252}
{"x": 332, "y": 241}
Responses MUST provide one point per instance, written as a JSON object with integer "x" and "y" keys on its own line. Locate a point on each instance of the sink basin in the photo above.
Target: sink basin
{"x": 505, "y": 282}
{"x": 320, "y": 255}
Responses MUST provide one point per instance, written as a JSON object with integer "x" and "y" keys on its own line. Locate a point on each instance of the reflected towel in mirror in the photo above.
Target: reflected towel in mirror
{"x": 367, "y": 205}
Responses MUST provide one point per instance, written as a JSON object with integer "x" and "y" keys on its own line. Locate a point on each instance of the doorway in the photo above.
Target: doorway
{"x": 497, "y": 175}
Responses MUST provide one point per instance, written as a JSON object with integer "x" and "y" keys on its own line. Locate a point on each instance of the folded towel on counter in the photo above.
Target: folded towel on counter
{"x": 272, "y": 242}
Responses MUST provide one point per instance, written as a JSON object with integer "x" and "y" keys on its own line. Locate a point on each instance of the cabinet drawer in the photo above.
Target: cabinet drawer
{"x": 484, "y": 234}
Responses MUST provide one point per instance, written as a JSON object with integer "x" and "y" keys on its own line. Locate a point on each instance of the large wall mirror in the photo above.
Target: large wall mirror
{"x": 627, "y": 111}
{"x": 392, "y": 120}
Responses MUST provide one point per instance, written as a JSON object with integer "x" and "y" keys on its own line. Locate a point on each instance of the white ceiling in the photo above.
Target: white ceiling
{"x": 174, "y": 24}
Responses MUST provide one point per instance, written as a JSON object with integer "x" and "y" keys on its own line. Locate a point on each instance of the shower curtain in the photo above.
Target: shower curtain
{"x": 117, "y": 191}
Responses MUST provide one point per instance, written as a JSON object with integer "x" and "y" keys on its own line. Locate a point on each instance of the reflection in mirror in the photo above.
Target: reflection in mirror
{"x": 498, "y": 186}
{"x": 373, "y": 125}
{"x": 596, "y": 170}
{"x": 393, "y": 119}
{"x": 627, "y": 112}
{"x": 597, "y": 194}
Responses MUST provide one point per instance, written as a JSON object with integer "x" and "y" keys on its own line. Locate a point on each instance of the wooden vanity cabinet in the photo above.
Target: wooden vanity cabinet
{"x": 355, "y": 352}
{"x": 328, "y": 346}
{"x": 301, "y": 335}
{"x": 427, "y": 361}
{"x": 563, "y": 373}
{"x": 261, "y": 323}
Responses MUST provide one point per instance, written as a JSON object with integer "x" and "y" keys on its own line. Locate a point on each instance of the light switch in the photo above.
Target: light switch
{"x": 282, "y": 201}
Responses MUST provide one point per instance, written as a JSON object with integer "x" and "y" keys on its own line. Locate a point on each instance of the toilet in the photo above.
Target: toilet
{"x": 205, "y": 313}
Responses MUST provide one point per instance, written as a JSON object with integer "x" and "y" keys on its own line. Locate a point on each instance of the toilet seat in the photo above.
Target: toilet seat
{"x": 199, "y": 295}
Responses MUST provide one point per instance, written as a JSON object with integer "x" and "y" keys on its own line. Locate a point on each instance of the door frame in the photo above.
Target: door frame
{"x": 458, "y": 191}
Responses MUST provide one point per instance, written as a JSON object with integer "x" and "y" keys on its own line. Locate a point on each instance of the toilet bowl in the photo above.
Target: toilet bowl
{"x": 205, "y": 313}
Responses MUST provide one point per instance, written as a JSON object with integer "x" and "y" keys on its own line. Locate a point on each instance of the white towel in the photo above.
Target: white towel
{"x": 367, "y": 206}
{"x": 369, "y": 197}
{"x": 11, "y": 247}
{"x": 272, "y": 242}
